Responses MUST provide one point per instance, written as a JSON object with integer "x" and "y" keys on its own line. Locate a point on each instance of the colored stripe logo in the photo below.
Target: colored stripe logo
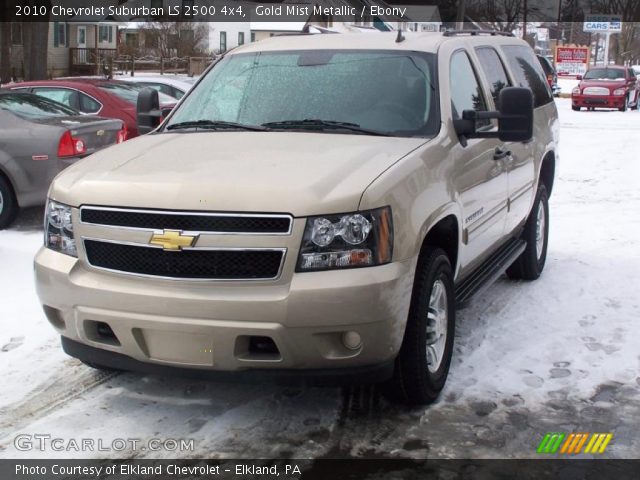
{"x": 573, "y": 443}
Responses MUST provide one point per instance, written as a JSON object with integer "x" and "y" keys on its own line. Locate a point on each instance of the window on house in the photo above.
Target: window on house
{"x": 240, "y": 38}
{"x": 253, "y": 37}
{"x": 61, "y": 30}
{"x": 105, "y": 34}
{"x": 16, "y": 33}
{"x": 223, "y": 41}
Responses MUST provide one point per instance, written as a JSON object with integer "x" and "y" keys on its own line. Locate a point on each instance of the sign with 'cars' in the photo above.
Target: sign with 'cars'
{"x": 602, "y": 23}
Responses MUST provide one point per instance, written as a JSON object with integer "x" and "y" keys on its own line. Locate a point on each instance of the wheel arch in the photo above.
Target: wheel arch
{"x": 548, "y": 171}
{"x": 444, "y": 233}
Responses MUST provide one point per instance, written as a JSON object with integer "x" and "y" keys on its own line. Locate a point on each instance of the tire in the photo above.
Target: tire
{"x": 415, "y": 381}
{"x": 624, "y": 107}
{"x": 575, "y": 109}
{"x": 8, "y": 204}
{"x": 530, "y": 264}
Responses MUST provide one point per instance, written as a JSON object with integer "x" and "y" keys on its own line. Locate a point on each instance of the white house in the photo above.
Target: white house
{"x": 224, "y": 36}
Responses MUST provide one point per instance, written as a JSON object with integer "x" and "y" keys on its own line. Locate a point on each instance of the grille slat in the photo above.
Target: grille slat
{"x": 232, "y": 224}
{"x": 198, "y": 264}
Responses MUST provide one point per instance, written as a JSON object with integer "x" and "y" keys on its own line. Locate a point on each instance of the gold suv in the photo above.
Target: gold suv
{"x": 317, "y": 205}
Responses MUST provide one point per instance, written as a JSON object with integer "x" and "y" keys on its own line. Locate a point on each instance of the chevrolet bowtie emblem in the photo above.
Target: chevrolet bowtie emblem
{"x": 173, "y": 240}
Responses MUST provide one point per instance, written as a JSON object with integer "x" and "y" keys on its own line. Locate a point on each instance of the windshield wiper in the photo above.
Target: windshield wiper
{"x": 214, "y": 125}
{"x": 316, "y": 124}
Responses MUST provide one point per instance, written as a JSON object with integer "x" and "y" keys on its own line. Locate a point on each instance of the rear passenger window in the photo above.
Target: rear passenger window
{"x": 494, "y": 71}
{"x": 466, "y": 93}
{"x": 528, "y": 72}
{"x": 63, "y": 95}
{"x": 88, "y": 104}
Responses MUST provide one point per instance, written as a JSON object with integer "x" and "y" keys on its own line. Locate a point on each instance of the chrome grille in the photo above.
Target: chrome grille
{"x": 596, "y": 91}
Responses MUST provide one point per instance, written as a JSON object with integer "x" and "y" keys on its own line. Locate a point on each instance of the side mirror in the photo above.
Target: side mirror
{"x": 578, "y": 77}
{"x": 515, "y": 123}
{"x": 148, "y": 110}
{"x": 515, "y": 118}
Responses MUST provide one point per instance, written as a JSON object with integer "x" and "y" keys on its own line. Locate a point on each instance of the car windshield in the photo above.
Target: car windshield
{"x": 27, "y": 105}
{"x": 129, "y": 93}
{"x": 604, "y": 74}
{"x": 390, "y": 93}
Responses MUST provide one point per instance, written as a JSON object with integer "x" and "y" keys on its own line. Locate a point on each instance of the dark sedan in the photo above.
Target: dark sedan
{"x": 95, "y": 96}
{"x": 38, "y": 139}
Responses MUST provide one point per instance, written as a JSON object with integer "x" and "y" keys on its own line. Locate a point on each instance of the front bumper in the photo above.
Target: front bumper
{"x": 598, "y": 101}
{"x": 207, "y": 326}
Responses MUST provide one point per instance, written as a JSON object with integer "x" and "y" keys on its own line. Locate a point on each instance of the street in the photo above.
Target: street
{"x": 556, "y": 355}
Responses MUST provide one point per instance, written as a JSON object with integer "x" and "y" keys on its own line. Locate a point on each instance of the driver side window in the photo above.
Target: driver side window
{"x": 466, "y": 92}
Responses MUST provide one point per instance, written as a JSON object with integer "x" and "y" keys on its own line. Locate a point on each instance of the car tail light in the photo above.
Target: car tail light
{"x": 122, "y": 134}
{"x": 70, "y": 146}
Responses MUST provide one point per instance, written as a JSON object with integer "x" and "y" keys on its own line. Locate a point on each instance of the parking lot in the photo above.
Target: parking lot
{"x": 556, "y": 355}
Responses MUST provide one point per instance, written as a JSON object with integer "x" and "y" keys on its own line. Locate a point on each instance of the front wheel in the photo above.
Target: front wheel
{"x": 422, "y": 365}
{"x": 530, "y": 264}
{"x": 8, "y": 204}
{"x": 574, "y": 108}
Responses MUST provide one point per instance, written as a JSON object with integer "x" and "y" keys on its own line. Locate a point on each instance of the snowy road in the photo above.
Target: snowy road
{"x": 560, "y": 354}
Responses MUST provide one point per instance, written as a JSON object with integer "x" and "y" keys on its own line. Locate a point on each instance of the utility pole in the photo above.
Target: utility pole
{"x": 524, "y": 22}
{"x": 460, "y": 15}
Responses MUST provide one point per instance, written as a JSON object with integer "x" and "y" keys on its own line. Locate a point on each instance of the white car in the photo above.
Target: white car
{"x": 172, "y": 86}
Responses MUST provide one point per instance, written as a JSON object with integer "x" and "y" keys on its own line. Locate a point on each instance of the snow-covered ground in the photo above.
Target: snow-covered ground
{"x": 560, "y": 354}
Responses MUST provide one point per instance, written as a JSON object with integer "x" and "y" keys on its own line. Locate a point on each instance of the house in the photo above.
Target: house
{"x": 224, "y": 36}
{"x": 73, "y": 48}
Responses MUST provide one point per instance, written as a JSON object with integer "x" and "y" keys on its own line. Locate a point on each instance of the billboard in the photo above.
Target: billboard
{"x": 571, "y": 60}
{"x": 602, "y": 23}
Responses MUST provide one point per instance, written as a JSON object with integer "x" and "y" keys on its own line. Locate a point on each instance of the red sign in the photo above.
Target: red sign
{"x": 572, "y": 60}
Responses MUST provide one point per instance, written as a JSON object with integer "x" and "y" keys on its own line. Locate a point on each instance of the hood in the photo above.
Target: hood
{"x": 603, "y": 83}
{"x": 279, "y": 172}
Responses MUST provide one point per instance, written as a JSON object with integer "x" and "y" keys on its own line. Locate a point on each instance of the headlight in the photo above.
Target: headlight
{"x": 361, "y": 239}
{"x": 58, "y": 229}
{"x": 619, "y": 91}
{"x": 575, "y": 91}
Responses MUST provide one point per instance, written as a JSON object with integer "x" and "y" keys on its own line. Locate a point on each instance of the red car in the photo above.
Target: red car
{"x": 94, "y": 96}
{"x": 606, "y": 87}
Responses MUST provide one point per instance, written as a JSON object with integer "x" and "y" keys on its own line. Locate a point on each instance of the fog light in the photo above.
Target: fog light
{"x": 351, "y": 340}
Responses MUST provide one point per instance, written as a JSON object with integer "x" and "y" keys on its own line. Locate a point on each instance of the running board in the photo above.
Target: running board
{"x": 488, "y": 272}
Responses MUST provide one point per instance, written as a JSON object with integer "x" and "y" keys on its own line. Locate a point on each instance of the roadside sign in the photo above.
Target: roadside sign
{"x": 571, "y": 60}
{"x": 602, "y": 23}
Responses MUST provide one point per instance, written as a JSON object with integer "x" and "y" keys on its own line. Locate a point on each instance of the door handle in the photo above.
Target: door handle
{"x": 501, "y": 153}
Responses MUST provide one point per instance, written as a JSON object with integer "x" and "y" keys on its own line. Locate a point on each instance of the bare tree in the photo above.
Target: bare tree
{"x": 503, "y": 15}
{"x": 5, "y": 52}
{"x": 175, "y": 39}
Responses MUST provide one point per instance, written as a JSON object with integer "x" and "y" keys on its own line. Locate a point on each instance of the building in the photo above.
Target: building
{"x": 224, "y": 36}
{"x": 79, "y": 47}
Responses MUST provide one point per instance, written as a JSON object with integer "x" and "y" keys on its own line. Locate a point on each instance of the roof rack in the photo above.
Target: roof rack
{"x": 453, "y": 33}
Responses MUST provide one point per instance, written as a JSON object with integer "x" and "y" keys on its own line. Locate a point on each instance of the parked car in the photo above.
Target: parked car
{"x": 614, "y": 86}
{"x": 174, "y": 87}
{"x": 552, "y": 76}
{"x": 285, "y": 220}
{"x": 38, "y": 139}
{"x": 95, "y": 96}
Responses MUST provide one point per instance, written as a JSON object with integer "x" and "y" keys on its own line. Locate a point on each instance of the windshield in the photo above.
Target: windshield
{"x": 129, "y": 93}
{"x": 27, "y": 105}
{"x": 604, "y": 74}
{"x": 388, "y": 92}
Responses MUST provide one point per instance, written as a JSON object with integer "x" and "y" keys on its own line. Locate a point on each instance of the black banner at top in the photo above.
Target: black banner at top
{"x": 477, "y": 12}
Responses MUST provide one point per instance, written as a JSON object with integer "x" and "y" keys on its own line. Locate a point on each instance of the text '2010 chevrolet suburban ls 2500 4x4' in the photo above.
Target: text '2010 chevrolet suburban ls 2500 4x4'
{"x": 315, "y": 205}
